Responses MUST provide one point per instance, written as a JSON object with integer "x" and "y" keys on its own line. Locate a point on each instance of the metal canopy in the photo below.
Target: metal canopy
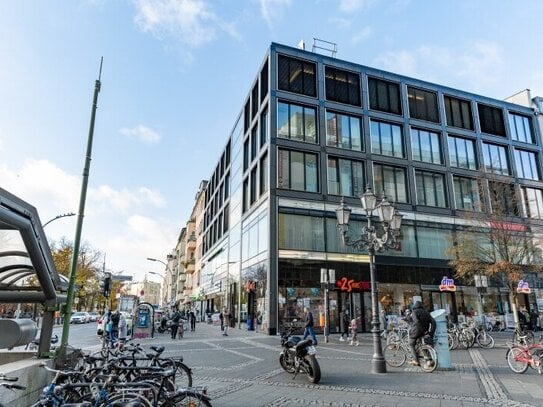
{"x": 27, "y": 270}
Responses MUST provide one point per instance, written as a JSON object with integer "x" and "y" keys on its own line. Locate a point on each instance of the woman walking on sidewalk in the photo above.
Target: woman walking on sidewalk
{"x": 226, "y": 321}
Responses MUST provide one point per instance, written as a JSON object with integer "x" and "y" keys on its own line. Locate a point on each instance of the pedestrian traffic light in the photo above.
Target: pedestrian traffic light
{"x": 105, "y": 284}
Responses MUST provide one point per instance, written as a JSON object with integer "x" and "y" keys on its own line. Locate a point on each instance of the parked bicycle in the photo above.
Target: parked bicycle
{"x": 520, "y": 357}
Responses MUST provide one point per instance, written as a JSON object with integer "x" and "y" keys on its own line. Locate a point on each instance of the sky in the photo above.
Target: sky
{"x": 174, "y": 79}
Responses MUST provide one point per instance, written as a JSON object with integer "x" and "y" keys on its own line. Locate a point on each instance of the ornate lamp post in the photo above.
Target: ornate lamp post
{"x": 374, "y": 240}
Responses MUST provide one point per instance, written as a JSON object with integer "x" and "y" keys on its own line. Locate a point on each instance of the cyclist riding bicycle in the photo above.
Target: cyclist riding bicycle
{"x": 422, "y": 324}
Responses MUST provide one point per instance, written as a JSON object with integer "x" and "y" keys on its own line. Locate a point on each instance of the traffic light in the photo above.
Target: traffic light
{"x": 105, "y": 284}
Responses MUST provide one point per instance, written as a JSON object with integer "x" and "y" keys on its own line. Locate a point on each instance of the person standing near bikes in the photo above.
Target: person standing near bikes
{"x": 176, "y": 318}
{"x": 114, "y": 333}
{"x": 422, "y": 323}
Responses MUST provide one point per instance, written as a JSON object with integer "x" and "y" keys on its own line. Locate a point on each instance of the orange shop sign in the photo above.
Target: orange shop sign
{"x": 351, "y": 285}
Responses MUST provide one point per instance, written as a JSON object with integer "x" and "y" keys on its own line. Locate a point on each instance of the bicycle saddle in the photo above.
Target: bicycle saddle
{"x": 158, "y": 349}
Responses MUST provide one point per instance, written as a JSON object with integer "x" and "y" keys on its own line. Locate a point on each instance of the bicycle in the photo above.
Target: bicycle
{"x": 396, "y": 354}
{"x": 523, "y": 336}
{"x": 520, "y": 357}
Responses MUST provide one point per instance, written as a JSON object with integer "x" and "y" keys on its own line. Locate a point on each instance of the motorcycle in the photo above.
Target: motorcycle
{"x": 298, "y": 355}
{"x": 165, "y": 325}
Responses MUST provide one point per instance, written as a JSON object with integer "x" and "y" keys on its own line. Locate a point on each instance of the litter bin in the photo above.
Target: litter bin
{"x": 441, "y": 340}
{"x": 16, "y": 332}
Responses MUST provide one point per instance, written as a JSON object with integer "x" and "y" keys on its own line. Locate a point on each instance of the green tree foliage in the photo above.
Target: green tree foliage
{"x": 88, "y": 273}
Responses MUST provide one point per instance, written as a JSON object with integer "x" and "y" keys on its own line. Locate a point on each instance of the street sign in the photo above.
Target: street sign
{"x": 121, "y": 278}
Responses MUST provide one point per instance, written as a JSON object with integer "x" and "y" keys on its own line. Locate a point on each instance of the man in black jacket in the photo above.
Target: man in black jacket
{"x": 422, "y": 323}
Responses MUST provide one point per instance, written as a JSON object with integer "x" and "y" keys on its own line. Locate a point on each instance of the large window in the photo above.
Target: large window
{"x": 345, "y": 177}
{"x": 263, "y": 128}
{"x": 495, "y": 159}
{"x": 533, "y": 202}
{"x": 520, "y": 128}
{"x": 343, "y": 131}
{"x": 526, "y": 162}
{"x": 296, "y": 122}
{"x": 433, "y": 243}
{"x": 467, "y": 195}
{"x": 425, "y": 146}
{"x": 263, "y": 174}
{"x": 391, "y": 181}
{"x": 422, "y": 105}
{"x": 295, "y": 75}
{"x": 386, "y": 139}
{"x": 458, "y": 113}
{"x": 491, "y": 120}
{"x": 297, "y": 170}
{"x": 503, "y": 198}
{"x": 462, "y": 153}
{"x": 299, "y": 232}
{"x": 430, "y": 189}
{"x": 384, "y": 96}
{"x": 342, "y": 86}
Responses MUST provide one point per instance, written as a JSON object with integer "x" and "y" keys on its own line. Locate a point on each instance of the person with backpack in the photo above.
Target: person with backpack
{"x": 422, "y": 324}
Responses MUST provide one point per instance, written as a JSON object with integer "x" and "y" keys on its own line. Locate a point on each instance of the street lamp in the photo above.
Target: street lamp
{"x": 58, "y": 217}
{"x": 374, "y": 241}
{"x": 328, "y": 276}
{"x": 163, "y": 285}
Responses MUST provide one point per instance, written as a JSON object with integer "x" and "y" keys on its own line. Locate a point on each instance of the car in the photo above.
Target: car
{"x": 79, "y": 317}
{"x": 93, "y": 316}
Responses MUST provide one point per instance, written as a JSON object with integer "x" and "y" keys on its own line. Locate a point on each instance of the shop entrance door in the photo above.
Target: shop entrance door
{"x": 433, "y": 300}
{"x": 359, "y": 305}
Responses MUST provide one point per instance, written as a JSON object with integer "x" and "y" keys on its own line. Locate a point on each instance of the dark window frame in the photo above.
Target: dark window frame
{"x": 308, "y": 80}
{"x": 436, "y": 157}
{"x": 305, "y": 175}
{"x": 355, "y": 192}
{"x": 384, "y": 96}
{"x": 462, "y": 116}
{"x": 426, "y": 200}
{"x": 396, "y": 169}
{"x": 342, "y": 86}
{"x": 491, "y": 119}
{"x": 423, "y": 104}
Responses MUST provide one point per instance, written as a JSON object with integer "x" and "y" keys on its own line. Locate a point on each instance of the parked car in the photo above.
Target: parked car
{"x": 79, "y": 317}
{"x": 93, "y": 316}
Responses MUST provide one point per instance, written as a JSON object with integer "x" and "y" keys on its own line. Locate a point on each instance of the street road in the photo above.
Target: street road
{"x": 243, "y": 370}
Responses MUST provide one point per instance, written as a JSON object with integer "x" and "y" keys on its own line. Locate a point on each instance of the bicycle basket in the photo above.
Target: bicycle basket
{"x": 67, "y": 357}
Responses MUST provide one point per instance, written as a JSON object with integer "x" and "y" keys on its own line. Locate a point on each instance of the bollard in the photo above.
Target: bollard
{"x": 441, "y": 340}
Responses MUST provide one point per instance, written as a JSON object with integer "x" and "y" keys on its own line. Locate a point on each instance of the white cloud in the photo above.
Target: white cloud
{"x": 120, "y": 222}
{"x": 479, "y": 65}
{"x": 141, "y": 133}
{"x": 361, "y": 35}
{"x": 348, "y": 6}
{"x": 190, "y": 21}
{"x": 272, "y": 9}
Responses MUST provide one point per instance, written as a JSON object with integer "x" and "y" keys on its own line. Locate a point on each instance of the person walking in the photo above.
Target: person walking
{"x": 354, "y": 331}
{"x": 422, "y": 323}
{"x": 114, "y": 334}
{"x": 123, "y": 328}
{"x": 309, "y": 322}
{"x": 175, "y": 323}
{"x": 344, "y": 325}
{"x": 226, "y": 321}
{"x": 192, "y": 320}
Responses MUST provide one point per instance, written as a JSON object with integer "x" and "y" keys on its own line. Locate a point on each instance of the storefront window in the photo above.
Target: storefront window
{"x": 433, "y": 243}
{"x": 301, "y": 232}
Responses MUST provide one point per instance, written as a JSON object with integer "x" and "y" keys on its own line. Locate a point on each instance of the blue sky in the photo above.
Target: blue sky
{"x": 174, "y": 79}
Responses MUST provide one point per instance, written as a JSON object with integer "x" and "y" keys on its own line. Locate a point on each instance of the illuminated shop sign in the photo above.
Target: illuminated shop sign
{"x": 447, "y": 284}
{"x": 523, "y": 287}
{"x": 350, "y": 285}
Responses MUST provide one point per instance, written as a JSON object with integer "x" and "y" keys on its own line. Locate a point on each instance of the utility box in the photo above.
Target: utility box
{"x": 441, "y": 340}
{"x": 17, "y": 332}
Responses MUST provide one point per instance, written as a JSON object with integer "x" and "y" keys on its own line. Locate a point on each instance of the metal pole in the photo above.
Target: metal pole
{"x": 81, "y": 213}
{"x": 378, "y": 360}
{"x": 326, "y": 319}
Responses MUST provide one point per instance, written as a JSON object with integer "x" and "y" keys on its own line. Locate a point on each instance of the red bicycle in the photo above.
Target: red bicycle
{"x": 519, "y": 357}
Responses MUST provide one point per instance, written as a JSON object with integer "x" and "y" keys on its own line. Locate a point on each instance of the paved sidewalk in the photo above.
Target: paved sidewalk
{"x": 243, "y": 370}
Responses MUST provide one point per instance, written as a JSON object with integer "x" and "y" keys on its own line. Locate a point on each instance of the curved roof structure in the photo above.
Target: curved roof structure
{"x": 27, "y": 271}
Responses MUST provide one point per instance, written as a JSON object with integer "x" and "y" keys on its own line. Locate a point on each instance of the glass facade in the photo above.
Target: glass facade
{"x": 345, "y": 177}
{"x": 390, "y": 181}
{"x": 431, "y": 189}
{"x": 386, "y": 139}
{"x": 343, "y": 131}
{"x": 526, "y": 163}
{"x": 520, "y": 128}
{"x": 495, "y": 159}
{"x": 425, "y": 146}
{"x": 462, "y": 153}
{"x": 296, "y": 122}
{"x": 297, "y": 170}
{"x": 467, "y": 195}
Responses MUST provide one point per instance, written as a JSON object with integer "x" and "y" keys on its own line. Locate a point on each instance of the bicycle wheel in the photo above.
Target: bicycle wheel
{"x": 394, "y": 355}
{"x": 183, "y": 375}
{"x": 485, "y": 340}
{"x": 122, "y": 399}
{"x": 514, "y": 358}
{"x": 187, "y": 398}
{"x": 427, "y": 358}
{"x": 453, "y": 341}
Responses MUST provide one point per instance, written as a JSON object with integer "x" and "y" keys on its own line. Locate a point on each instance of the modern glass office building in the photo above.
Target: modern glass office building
{"x": 315, "y": 129}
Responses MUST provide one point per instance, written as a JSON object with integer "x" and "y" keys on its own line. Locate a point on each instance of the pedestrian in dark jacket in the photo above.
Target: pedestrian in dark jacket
{"x": 344, "y": 325}
{"x": 309, "y": 326}
{"x": 175, "y": 323}
{"x": 422, "y": 324}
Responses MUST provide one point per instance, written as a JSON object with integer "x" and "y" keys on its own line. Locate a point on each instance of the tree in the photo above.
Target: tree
{"x": 497, "y": 243}
{"x": 88, "y": 270}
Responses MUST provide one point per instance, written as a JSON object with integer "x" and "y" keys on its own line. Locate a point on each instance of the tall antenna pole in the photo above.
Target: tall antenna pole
{"x": 81, "y": 214}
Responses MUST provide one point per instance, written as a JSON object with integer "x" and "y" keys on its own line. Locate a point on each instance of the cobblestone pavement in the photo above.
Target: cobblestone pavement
{"x": 243, "y": 370}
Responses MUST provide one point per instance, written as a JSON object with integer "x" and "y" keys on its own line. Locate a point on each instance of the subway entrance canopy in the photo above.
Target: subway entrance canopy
{"x": 27, "y": 270}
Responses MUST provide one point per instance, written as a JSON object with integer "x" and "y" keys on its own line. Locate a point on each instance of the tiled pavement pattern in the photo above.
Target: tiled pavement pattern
{"x": 243, "y": 370}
